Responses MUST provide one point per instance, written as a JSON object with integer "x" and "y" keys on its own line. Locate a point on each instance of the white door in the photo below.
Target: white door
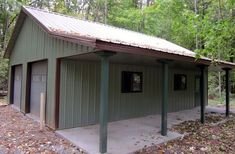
{"x": 17, "y": 86}
{"x": 38, "y": 85}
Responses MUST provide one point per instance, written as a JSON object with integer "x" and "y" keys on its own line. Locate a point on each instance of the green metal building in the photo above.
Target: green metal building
{"x": 93, "y": 73}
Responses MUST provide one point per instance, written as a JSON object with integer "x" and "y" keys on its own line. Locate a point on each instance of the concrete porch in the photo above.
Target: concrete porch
{"x": 127, "y": 136}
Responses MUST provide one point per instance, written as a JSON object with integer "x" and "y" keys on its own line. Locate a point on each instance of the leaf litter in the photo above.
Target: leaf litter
{"x": 21, "y": 134}
{"x": 216, "y": 136}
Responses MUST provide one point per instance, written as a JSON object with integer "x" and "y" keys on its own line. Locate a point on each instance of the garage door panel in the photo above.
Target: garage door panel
{"x": 17, "y": 86}
{"x": 38, "y": 85}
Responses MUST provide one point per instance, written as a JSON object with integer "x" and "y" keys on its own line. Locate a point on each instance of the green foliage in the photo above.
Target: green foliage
{"x": 9, "y": 9}
{"x": 213, "y": 85}
{"x": 217, "y": 30}
{"x": 3, "y": 73}
{"x": 177, "y": 21}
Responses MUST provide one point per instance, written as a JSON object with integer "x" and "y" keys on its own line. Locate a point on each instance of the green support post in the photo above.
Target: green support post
{"x": 227, "y": 90}
{"x": 202, "y": 93}
{"x": 164, "y": 98}
{"x": 104, "y": 89}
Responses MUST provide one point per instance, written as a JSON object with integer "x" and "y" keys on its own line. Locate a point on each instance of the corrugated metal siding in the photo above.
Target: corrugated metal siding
{"x": 80, "y": 88}
{"x": 79, "y": 95}
{"x": 34, "y": 44}
{"x": 182, "y": 99}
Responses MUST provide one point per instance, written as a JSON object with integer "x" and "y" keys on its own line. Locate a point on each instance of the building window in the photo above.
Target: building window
{"x": 180, "y": 82}
{"x": 132, "y": 82}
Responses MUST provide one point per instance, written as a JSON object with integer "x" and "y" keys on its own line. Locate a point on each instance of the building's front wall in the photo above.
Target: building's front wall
{"x": 33, "y": 44}
{"x": 80, "y": 91}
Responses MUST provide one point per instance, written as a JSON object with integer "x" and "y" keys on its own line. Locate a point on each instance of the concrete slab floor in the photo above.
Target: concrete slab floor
{"x": 129, "y": 135}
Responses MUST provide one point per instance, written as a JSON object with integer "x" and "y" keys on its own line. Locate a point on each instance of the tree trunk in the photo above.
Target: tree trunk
{"x": 196, "y": 12}
{"x": 105, "y": 11}
{"x": 5, "y": 31}
{"x": 219, "y": 55}
{"x": 87, "y": 12}
{"x": 203, "y": 16}
{"x": 135, "y": 3}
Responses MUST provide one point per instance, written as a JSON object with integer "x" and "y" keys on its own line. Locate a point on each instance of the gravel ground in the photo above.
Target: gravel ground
{"x": 3, "y": 101}
{"x": 215, "y": 137}
{"x": 20, "y": 134}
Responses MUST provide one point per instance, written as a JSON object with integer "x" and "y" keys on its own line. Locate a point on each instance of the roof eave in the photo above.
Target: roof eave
{"x": 225, "y": 65}
{"x": 102, "y": 45}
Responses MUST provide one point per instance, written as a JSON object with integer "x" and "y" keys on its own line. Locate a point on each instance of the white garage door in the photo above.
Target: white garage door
{"x": 38, "y": 85}
{"x": 17, "y": 86}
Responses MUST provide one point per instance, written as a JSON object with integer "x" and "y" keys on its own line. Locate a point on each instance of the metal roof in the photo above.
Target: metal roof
{"x": 70, "y": 27}
{"x": 67, "y": 25}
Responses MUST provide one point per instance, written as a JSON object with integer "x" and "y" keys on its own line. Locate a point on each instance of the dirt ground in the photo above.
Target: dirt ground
{"x": 3, "y": 101}
{"x": 215, "y": 137}
{"x": 20, "y": 134}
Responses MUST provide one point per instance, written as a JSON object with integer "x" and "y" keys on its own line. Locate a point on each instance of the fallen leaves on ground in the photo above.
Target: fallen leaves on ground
{"x": 3, "y": 101}
{"x": 20, "y": 134}
{"x": 208, "y": 138}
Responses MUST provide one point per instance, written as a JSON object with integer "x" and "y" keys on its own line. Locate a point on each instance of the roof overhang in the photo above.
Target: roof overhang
{"x": 221, "y": 65}
{"x": 101, "y": 45}
{"x": 107, "y": 45}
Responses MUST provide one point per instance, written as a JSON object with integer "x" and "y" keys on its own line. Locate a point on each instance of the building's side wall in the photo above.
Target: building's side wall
{"x": 80, "y": 90}
{"x": 33, "y": 44}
